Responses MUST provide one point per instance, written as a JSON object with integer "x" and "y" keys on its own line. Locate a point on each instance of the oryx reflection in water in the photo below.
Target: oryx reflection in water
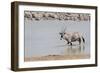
{"x": 73, "y": 50}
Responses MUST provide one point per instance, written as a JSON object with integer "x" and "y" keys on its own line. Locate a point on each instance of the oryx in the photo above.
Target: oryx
{"x": 71, "y": 37}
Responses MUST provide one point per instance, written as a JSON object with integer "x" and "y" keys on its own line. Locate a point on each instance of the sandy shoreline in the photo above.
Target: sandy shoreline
{"x": 57, "y": 57}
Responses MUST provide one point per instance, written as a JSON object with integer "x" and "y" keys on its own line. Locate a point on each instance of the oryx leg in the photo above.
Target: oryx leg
{"x": 83, "y": 42}
{"x": 79, "y": 41}
{"x": 69, "y": 42}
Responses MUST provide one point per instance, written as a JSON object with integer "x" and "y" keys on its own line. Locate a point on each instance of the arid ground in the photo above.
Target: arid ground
{"x": 57, "y": 57}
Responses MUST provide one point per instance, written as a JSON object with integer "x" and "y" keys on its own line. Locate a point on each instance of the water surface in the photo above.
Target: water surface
{"x": 42, "y": 37}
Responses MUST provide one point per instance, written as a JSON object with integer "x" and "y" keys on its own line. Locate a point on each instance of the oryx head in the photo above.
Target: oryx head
{"x": 62, "y": 33}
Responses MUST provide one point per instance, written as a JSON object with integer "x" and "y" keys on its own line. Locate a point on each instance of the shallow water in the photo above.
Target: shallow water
{"x": 42, "y": 37}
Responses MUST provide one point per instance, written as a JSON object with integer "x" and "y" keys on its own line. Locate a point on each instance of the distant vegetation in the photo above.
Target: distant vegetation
{"x": 39, "y": 15}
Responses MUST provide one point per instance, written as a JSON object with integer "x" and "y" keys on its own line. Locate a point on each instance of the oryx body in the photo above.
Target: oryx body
{"x": 72, "y": 37}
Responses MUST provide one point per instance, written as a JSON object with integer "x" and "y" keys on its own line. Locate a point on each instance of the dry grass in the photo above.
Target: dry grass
{"x": 57, "y": 57}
